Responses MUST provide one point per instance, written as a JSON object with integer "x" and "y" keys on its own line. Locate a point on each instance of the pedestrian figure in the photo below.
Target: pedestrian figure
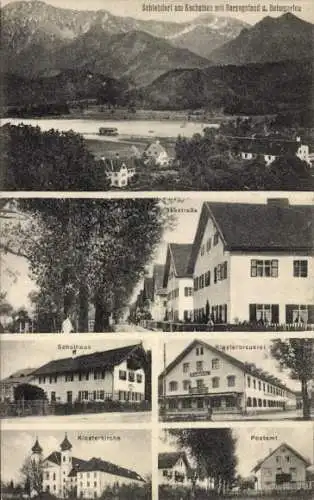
{"x": 67, "y": 326}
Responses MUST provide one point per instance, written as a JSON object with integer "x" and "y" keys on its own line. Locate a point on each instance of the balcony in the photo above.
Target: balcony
{"x": 199, "y": 390}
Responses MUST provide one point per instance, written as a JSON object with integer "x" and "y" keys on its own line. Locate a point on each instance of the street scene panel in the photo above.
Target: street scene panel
{"x": 76, "y": 464}
{"x": 229, "y": 262}
{"x": 65, "y": 379}
{"x": 251, "y": 462}
{"x": 245, "y": 379}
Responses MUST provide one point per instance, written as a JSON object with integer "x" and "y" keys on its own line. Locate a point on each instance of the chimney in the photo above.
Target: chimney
{"x": 278, "y": 202}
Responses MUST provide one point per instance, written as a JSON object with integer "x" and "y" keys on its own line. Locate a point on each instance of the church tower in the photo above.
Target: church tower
{"x": 35, "y": 471}
{"x": 65, "y": 465}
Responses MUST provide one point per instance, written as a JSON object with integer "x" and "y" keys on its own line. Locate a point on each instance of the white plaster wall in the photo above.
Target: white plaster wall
{"x": 286, "y": 289}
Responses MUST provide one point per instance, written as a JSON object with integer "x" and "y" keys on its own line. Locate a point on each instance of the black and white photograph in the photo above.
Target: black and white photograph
{"x": 70, "y": 380}
{"x": 146, "y": 96}
{"x": 158, "y": 264}
{"x": 251, "y": 462}
{"x": 76, "y": 464}
{"x": 244, "y": 379}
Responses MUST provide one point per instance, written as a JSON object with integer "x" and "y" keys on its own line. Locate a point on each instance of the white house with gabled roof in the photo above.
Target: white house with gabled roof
{"x": 254, "y": 262}
{"x": 173, "y": 469}
{"x": 178, "y": 282}
{"x": 282, "y": 469}
{"x": 204, "y": 380}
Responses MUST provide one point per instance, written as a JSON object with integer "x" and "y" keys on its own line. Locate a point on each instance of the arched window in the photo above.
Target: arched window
{"x": 249, "y": 402}
{"x": 254, "y": 402}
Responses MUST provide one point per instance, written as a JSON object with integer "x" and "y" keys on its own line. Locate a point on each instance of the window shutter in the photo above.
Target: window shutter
{"x": 289, "y": 313}
{"x": 252, "y": 312}
{"x": 275, "y": 313}
{"x": 310, "y": 314}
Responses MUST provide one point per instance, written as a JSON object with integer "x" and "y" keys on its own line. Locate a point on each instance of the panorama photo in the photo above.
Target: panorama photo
{"x": 125, "y": 94}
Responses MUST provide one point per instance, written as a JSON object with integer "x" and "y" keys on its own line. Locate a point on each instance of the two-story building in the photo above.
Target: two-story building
{"x": 156, "y": 153}
{"x": 119, "y": 171}
{"x": 64, "y": 475}
{"x": 270, "y": 149}
{"x": 282, "y": 468}
{"x": 9, "y": 384}
{"x": 254, "y": 262}
{"x": 203, "y": 379}
{"x": 179, "y": 282}
{"x": 159, "y": 305}
{"x": 173, "y": 469}
{"x": 117, "y": 374}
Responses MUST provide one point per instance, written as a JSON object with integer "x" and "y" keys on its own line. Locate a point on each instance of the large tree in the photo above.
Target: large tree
{"x": 32, "y": 474}
{"x": 43, "y": 161}
{"x": 213, "y": 451}
{"x": 297, "y": 355}
{"x": 83, "y": 252}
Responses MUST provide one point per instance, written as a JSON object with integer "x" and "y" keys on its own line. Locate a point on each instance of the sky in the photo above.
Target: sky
{"x": 46, "y": 349}
{"x": 249, "y": 450}
{"x": 16, "y": 446}
{"x": 253, "y": 350}
{"x": 15, "y": 279}
{"x": 134, "y": 8}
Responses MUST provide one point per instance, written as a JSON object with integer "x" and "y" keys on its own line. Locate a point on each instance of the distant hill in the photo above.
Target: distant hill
{"x": 135, "y": 55}
{"x": 272, "y": 39}
{"x": 249, "y": 89}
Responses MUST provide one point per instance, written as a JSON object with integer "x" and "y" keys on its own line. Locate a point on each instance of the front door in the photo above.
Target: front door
{"x": 69, "y": 397}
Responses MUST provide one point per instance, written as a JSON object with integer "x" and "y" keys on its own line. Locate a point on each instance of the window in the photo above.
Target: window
{"x": 224, "y": 270}
{"x": 186, "y": 367}
{"x": 139, "y": 378}
{"x": 199, "y": 351}
{"x": 188, "y": 292}
{"x": 200, "y": 383}
{"x": 86, "y": 376}
{"x": 131, "y": 376}
{"x": 173, "y": 386}
{"x": 215, "y": 382}
{"x": 264, "y": 268}
{"x": 215, "y": 364}
{"x": 254, "y": 383}
{"x": 207, "y": 278}
{"x": 186, "y": 385}
{"x": 259, "y": 386}
{"x": 216, "y": 238}
{"x": 47, "y": 475}
{"x": 195, "y": 281}
{"x": 97, "y": 375}
{"x": 208, "y": 244}
{"x": 249, "y": 382}
{"x": 122, "y": 374}
{"x": 202, "y": 249}
{"x": 215, "y": 275}
{"x": 264, "y": 313}
{"x": 186, "y": 403}
{"x": 199, "y": 366}
{"x": 231, "y": 381}
{"x": 300, "y": 268}
{"x": 69, "y": 377}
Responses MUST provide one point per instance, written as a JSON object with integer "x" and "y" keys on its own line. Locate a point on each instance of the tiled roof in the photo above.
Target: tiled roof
{"x": 258, "y": 227}
{"x": 96, "y": 464}
{"x": 96, "y": 360}
{"x": 149, "y": 288}
{"x": 246, "y": 367}
{"x": 292, "y": 450}
{"x": 55, "y": 457}
{"x": 156, "y": 147}
{"x": 168, "y": 460}
{"x": 20, "y": 376}
{"x": 158, "y": 275}
{"x": 115, "y": 164}
{"x": 37, "y": 448}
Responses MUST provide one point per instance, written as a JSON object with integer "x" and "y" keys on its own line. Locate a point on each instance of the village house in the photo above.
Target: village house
{"x": 117, "y": 374}
{"x": 9, "y": 384}
{"x": 159, "y": 305}
{"x": 283, "y": 468}
{"x": 65, "y": 475}
{"x": 173, "y": 469}
{"x": 157, "y": 153}
{"x": 119, "y": 171}
{"x": 249, "y": 148}
{"x": 203, "y": 379}
{"x": 253, "y": 263}
{"x": 178, "y": 281}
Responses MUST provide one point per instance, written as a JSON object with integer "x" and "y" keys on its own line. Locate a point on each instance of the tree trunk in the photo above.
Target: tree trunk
{"x": 83, "y": 309}
{"x": 306, "y": 401}
{"x": 102, "y": 316}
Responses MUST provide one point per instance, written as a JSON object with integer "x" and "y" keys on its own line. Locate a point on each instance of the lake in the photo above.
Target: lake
{"x": 126, "y": 128}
